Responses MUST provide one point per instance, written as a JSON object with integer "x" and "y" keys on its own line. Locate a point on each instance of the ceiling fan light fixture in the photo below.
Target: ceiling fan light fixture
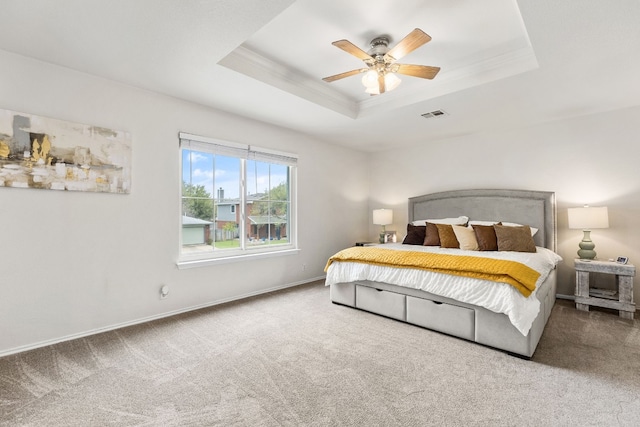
{"x": 370, "y": 79}
{"x": 391, "y": 81}
{"x": 380, "y": 74}
{"x": 370, "y": 82}
{"x": 373, "y": 90}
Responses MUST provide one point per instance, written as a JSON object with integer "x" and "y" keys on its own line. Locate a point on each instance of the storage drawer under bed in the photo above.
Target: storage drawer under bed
{"x": 447, "y": 318}
{"x": 386, "y": 303}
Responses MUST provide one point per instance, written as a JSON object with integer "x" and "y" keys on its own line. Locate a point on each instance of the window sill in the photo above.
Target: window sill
{"x": 195, "y": 263}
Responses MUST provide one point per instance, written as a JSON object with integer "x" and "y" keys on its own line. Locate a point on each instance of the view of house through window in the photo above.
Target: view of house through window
{"x": 235, "y": 198}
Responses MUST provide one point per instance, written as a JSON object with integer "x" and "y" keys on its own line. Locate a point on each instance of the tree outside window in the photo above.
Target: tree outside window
{"x": 245, "y": 203}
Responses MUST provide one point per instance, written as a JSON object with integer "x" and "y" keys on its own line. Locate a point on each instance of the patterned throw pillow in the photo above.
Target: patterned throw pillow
{"x": 447, "y": 236}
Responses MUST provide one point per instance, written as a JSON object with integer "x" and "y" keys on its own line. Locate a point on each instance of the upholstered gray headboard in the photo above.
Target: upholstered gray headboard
{"x": 534, "y": 208}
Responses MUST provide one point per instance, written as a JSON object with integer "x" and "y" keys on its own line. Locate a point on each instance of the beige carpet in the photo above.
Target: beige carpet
{"x": 292, "y": 358}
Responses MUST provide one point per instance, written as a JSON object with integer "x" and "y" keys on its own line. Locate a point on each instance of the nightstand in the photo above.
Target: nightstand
{"x": 621, "y": 299}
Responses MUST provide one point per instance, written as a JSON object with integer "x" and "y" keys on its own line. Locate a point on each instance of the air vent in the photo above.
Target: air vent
{"x": 434, "y": 113}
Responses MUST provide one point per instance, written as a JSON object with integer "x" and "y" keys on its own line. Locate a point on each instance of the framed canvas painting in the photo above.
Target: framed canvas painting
{"x": 45, "y": 153}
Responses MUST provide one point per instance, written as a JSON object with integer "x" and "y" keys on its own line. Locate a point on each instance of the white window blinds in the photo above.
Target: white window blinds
{"x": 243, "y": 151}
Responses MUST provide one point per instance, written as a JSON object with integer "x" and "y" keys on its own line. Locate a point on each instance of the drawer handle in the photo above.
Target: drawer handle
{"x": 379, "y": 290}
{"x": 436, "y": 302}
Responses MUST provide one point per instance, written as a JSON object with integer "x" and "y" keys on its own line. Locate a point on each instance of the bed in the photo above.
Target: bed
{"x": 463, "y": 307}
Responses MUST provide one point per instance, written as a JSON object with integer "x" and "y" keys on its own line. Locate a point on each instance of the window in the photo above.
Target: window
{"x": 237, "y": 200}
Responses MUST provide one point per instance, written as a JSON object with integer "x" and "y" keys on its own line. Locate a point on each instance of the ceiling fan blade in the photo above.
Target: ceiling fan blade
{"x": 354, "y": 50}
{"x": 411, "y": 42}
{"x": 422, "y": 71}
{"x": 343, "y": 75}
{"x": 381, "y": 85}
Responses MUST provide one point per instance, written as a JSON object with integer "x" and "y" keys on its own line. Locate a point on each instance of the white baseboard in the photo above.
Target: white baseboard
{"x": 150, "y": 318}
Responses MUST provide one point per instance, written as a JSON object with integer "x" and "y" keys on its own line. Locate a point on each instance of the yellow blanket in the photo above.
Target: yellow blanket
{"x": 516, "y": 274}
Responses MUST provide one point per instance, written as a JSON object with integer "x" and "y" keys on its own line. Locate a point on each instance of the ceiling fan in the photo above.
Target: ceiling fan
{"x": 379, "y": 76}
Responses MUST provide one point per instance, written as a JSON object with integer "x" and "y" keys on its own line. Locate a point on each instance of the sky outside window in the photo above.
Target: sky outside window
{"x": 198, "y": 169}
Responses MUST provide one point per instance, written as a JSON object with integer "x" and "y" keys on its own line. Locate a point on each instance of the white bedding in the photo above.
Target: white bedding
{"x": 497, "y": 297}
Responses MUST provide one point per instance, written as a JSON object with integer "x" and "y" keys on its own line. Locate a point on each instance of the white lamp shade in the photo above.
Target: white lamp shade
{"x": 382, "y": 216}
{"x": 587, "y": 217}
{"x": 391, "y": 81}
{"x": 373, "y": 90}
{"x": 370, "y": 79}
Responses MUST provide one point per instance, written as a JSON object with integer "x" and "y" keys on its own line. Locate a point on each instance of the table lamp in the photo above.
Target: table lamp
{"x": 382, "y": 217}
{"x": 585, "y": 219}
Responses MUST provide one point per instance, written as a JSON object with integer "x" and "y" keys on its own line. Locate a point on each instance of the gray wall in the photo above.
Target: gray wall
{"x": 589, "y": 160}
{"x": 75, "y": 263}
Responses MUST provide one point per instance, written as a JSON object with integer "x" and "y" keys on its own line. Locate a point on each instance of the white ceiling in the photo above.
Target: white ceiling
{"x": 504, "y": 63}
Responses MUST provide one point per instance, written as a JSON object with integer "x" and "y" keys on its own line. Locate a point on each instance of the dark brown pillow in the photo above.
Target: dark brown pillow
{"x": 447, "y": 236}
{"x": 516, "y": 239}
{"x": 486, "y": 237}
{"x": 415, "y": 235}
{"x": 431, "y": 236}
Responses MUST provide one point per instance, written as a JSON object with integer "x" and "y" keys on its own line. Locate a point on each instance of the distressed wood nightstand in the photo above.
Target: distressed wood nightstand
{"x": 621, "y": 299}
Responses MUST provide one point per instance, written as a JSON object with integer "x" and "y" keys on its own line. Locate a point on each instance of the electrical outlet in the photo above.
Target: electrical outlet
{"x": 304, "y": 267}
{"x": 164, "y": 291}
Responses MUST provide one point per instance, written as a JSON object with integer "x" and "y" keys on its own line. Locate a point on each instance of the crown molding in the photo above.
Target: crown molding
{"x": 458, "y": 78}
{"x": 252, "y": 64}
{"x": 449, "y": 80}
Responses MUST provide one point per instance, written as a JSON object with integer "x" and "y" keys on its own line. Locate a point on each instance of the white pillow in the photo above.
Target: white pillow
{"x": 506, "y": 224}
{"x": 461, "y": 220}
{"x": 474, "y": 222}
{"x": 513, "y": 224}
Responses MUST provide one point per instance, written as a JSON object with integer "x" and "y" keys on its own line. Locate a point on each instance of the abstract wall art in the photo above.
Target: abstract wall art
{"x": 40, "y": 152}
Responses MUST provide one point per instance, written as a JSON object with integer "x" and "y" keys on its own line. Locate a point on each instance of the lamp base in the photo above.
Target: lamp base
{"x": 586, "y": 246}
{"x": 382, "y": 236}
